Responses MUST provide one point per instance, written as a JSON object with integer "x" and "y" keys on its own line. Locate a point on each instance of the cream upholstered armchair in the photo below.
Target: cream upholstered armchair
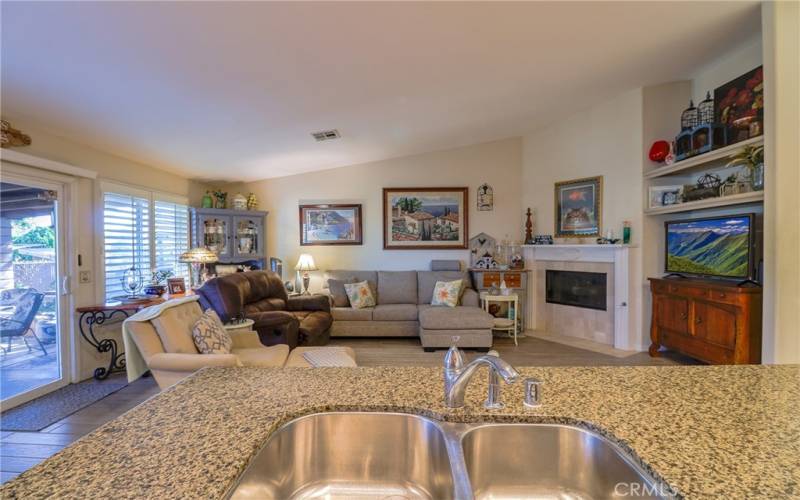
{"x": 166, "y": 346}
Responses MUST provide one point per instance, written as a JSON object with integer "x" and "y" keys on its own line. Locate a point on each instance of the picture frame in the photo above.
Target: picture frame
{"x": 176, "y": 286}
{"x": 579, "y": 208}
{"x": 739, "y": 106}
{"x": 330, "y": 224}
{"x": 427, "y": 218}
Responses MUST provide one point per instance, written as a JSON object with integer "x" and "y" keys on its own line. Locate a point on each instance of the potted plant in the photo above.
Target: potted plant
{"x": 157, "y": 284}
{"x": 752, "y": 158}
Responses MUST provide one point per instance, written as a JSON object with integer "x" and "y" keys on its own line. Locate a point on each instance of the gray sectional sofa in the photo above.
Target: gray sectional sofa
{"x": 403, "y": 309}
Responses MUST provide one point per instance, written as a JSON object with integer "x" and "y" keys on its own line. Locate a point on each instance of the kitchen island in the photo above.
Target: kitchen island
{"x": 707, "y": 432}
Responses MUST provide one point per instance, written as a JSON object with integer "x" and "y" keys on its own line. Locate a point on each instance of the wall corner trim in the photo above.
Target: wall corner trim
{"x": 43, "y": 163}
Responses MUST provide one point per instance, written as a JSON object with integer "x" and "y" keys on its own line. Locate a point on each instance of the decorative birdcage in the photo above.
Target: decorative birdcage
{"x": 705, "y": 110}
{"x": 689, "y": 117}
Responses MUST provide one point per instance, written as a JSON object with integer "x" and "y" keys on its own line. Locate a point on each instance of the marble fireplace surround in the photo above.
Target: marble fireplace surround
{"x": 607, "y": 327}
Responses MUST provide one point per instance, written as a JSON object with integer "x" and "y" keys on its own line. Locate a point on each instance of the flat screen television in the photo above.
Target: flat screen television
{"x": 719, "y": 247}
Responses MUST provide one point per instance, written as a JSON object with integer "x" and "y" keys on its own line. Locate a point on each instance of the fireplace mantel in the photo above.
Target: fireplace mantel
{"x": 612, "y": 254}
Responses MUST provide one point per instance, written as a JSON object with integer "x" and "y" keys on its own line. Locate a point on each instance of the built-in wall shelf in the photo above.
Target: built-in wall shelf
{"x": 722, "y": 201}
{"x": 703, "y": 161}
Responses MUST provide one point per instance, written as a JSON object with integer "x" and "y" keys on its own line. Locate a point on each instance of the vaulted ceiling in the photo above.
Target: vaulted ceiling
{"x": 232, "y": 91}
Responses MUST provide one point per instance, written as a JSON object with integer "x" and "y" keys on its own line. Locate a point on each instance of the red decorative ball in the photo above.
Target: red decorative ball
{"x": 659, "y": 151}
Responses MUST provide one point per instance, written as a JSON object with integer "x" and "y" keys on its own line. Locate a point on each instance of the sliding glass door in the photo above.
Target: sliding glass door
{"x": 33, "y": 301}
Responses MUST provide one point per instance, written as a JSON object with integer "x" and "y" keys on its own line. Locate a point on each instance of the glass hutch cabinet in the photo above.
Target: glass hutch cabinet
{"x": 237, "y": 236}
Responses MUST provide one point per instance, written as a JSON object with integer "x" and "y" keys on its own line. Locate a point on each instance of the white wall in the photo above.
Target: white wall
{"x": 781, "y": 21}
{"x": 738, "y": 60}
{"x": 497, "y": 163}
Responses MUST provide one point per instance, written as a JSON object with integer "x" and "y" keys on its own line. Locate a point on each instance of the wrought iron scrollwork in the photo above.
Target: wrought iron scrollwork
{"x": 86, "y": 324}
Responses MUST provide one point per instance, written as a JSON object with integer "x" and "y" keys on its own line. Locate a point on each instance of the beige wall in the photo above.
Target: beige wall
{"x": 110, "y": 167}
{"x": 781, "y": 21}
{"x": 497, "y": 163}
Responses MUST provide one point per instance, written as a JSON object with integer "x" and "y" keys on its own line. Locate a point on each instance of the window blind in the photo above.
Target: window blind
{"x": 126, "y": 230}
{"x": 171, "y": 236}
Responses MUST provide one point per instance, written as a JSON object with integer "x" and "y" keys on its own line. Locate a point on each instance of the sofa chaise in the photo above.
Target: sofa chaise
{"x": 403, "y": 309}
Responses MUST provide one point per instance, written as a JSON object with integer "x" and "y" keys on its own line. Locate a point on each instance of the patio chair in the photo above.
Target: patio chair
{"x": 19, "y": 323}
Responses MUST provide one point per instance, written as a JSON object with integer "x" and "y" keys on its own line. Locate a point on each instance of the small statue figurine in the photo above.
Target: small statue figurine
{"x": 528, "y": 228}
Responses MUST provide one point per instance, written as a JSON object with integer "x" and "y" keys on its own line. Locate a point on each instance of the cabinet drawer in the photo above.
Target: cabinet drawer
{"x": 685, "y": 291}
{"x": 491, "y": 278}
{"x": 723, "y": 296}
{"x": 513, "y": 280}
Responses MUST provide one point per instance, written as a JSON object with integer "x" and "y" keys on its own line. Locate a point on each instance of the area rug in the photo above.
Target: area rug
{"x": 37, "y": 414}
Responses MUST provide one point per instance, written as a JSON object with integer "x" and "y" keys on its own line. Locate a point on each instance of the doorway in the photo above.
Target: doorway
{"x": 34, "y": 346}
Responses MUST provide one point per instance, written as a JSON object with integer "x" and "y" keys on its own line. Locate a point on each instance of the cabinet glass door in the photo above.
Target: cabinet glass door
{"x": 215, "y": 234}
{"x": 247, "y": 233}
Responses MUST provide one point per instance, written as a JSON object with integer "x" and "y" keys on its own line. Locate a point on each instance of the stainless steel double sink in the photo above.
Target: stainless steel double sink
{"x": 393, "y": 456}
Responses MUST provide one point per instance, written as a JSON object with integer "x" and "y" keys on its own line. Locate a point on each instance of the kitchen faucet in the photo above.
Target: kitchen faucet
{"x": 457, "y": 376}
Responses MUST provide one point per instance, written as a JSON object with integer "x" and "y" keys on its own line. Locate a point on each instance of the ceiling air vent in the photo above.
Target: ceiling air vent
{"x": 326, "y": 135}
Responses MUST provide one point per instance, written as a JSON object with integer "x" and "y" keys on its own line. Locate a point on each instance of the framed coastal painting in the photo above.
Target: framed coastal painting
{"x": 330, "y": 225}
{"x": 579, "y": 207}
{"x": 425, "y": 218}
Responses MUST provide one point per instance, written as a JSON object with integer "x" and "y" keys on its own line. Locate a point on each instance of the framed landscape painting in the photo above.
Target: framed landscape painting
{"x": 425, "y": 218}
{"x": 330, "y": 225}
{"x": 579, "y": 207}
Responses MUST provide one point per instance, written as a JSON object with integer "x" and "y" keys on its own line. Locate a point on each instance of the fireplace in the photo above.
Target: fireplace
{"x": 576, "y": 288}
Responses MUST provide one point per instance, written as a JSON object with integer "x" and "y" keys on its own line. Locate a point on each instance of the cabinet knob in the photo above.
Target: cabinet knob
{"x": 684, "y": 315}
{"x": 698, "y": 320}
{"x": 722, "y": 295}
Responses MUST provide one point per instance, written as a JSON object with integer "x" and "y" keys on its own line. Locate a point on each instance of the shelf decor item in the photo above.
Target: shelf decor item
{"x": 198, "y": 257}
{"x": 690, "y": 118}
{"x": 528, "y": 227}
{"x": 626, "y": 232}
{"x": 705, "y": 110}
{"x": 252, "y": 201}
{"x": 132, "y": 282}
{"x": 578, "y": 207}
{"x": 664, "y": 195}
{"x": 659, "y": 151}
{"x": 707, "y": 137}
{"x": 11, "y": 137}
{"x": 208, "y": 201}
{"x": 220, "y": 199}
{"x": 330, "y": 225}
{"x": 739, "y": 106}
{"x": 425, "y": 218}
{"x": 239, "y": 202}
{"x": 752, "y": 158}
{"x": 707, "y": 186}
{"x": 481, "y": 246}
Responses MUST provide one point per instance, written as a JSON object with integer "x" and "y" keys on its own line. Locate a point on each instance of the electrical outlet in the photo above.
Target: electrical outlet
{"x": 85, "y": 277}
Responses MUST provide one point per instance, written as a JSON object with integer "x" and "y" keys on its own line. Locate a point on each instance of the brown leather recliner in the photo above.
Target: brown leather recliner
{"x": 261, "y": 296}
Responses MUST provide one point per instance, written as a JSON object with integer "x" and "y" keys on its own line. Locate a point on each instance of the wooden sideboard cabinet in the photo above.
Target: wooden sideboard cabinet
{"x": 715, "y": 322}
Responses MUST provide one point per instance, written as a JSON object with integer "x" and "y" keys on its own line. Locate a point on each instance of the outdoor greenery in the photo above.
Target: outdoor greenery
{"x": 25, "y": 234}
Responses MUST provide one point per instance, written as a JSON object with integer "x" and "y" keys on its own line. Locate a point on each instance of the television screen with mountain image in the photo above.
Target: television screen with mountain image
{"x": 718, "y": 246}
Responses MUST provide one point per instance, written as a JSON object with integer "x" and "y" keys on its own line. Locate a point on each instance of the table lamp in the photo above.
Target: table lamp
{"x": 201, "y": 256}
{"x": 305, "y": 264}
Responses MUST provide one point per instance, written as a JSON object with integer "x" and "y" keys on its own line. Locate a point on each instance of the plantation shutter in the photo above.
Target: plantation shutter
{"x": 126, "y": 230}
{"x": 171, "y": 236}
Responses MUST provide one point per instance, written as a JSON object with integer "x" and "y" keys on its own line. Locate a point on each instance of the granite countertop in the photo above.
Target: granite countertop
{"x": 708, "y": 432}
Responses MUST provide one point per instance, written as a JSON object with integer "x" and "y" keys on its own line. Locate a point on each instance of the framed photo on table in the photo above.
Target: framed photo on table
{"x": 579, "y": 207}
{"x": 176, "y": 286}
{"x": 425, "y": 218}
{"x": 330, "y": 225}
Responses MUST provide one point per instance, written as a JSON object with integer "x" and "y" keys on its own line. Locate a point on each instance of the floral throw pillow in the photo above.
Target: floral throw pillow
{"x": 360, "y": 295}
{"x": 446, "y": 293}
{"x": 210, "y": 336}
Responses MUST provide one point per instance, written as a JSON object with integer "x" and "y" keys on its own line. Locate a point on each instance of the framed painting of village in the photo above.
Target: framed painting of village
{"x": 330, "y": 225}
{"x": 425, "y": 218}
{"x": 579, "y": 207}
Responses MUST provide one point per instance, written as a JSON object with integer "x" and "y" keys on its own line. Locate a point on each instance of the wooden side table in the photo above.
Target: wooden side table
{"x": 510, "y": 324}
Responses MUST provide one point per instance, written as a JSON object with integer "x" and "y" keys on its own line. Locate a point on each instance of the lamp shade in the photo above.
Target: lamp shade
{"x": 305, "y": 263}
{"x": 199, "y": 255}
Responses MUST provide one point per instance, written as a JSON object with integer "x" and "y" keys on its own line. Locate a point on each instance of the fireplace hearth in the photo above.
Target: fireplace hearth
{"x": 576, "y": 288}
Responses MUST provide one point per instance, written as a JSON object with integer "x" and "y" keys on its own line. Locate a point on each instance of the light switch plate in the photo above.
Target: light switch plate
{"x": 85, "y": 277}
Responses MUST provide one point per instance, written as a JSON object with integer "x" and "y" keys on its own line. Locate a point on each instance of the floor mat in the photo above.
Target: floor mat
{"x": 37, "y": 414}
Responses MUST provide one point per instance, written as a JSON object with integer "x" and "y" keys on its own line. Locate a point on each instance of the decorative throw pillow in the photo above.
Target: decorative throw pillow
{"x": 338, "y": 293}
{"x": 210, "y": 336}
{"x": 446, "y": 293}
{"x": 360, "y": 295}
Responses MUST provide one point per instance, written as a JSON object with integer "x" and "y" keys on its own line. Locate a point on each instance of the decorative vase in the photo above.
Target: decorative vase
{"x": 208, "y": 202}
{"x": 239, "y": 202}
{"x": 757, "y": 177}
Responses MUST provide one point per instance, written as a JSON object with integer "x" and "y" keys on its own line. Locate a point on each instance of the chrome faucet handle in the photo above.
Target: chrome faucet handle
{"x": 533, "y": 393}
{"x": 454, "y": 358}
{"x": 493, "y": 401}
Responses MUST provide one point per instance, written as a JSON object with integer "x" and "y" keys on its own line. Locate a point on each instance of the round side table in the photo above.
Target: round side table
{"x": 243, "y": 326}
{"x": 504, "y": 324}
